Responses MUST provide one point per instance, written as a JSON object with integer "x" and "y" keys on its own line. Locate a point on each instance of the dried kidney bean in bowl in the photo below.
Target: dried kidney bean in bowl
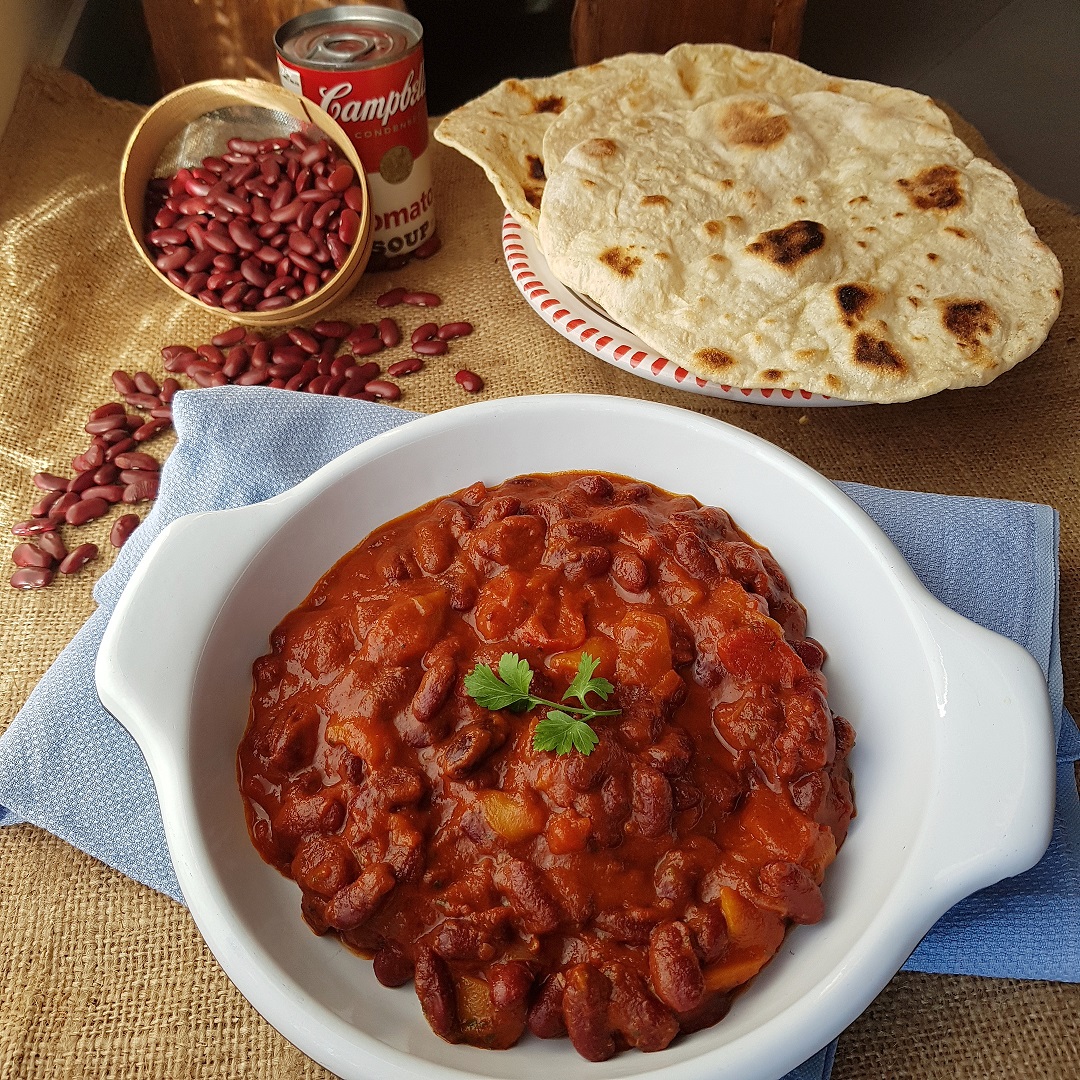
{"x": 603, "y": 835}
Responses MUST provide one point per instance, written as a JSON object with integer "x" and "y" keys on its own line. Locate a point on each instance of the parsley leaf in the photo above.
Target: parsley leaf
{"x": 584, "y": 682}
{"x": 558, "y": 731}
{"x": 562, "y": 733}
{"x": 489, "y": 691}
{"x": 516, "y": 673}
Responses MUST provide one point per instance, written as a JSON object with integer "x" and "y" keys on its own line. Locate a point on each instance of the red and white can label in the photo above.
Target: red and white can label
{"x": 383, "y": 110}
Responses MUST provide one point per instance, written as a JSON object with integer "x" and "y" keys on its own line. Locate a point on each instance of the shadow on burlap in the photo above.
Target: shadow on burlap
{"x": 101, "y": 977}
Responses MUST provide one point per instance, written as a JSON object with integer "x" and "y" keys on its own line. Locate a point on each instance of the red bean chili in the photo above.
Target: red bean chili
{"x": 619, "y": 897}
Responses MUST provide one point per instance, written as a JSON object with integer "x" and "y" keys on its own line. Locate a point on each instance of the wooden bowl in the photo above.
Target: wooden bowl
{"x": 171, "y": 115}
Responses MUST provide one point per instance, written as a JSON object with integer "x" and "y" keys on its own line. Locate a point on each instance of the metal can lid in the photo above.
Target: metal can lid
{"x": 348, "y": 38}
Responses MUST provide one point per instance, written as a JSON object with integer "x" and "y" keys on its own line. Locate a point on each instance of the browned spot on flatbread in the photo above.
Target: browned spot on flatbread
{"x": 586, "y": 182}
{"x": 688, "y": 80}
{"x": 532, "y": 195}
{"x": 932, "y": 256}
{"x": 854, "y": 299}
{"x": 804, "y": 354}
{"x": 661, "y": 255}
{"x": 968, "y": 320}
{"x": 1057, "y": 293}
{"x": 726, "y": 183}
{"x": 714, "y": 228}
{"x": 748, "y": 123}
{"x": 734, "y": 219}
{"x": 832, "y": 382}
{"x": 536, "y": 167}
{"x": 553, "y": 104}
{"x": 621, "y": 261}
{"x": 936, "y": 188}
{"x": 914, "y": 301}
{"x": 598, "y": 148}
{"x": 715, "y": 257}
{"x": 957, "y": 232}
{"x": 655, "y": 200}
{"x": 799, "y": 200}
{"x": 861, "y": 243}
{"x": 858, "y": 199}
{"x": 715, "y": 361}
{"x": 875, "y": 353}
{"x": 772, "y": 375}
{"x": 787, "y": 247}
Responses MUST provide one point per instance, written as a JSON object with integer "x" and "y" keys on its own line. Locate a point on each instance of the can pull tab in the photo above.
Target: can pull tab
{"x": 350, "y": 47}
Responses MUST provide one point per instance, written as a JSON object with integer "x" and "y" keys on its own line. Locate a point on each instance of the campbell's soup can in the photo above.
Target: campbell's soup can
{"x": 365, "y": 67}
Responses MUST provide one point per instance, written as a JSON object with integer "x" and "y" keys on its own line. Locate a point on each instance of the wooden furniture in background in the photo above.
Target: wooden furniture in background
{"x": 602, "y": 28}
{"x": 219, "y": 39}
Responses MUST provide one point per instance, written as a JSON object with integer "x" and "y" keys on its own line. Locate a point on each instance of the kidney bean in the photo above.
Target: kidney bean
{"x": 271, "y": 303}
{"x": 424, "y": 333}
{"x": 106, "y": 474}
{"x": 387, "y": 391}
{"x": 142, "y": 401}
{"x": 133, "y": 476}
{"x": 243, "y": 237}
{"x": 28, "y": 555}
{"x": 469, "y": 381}
{"x": 585, "y": 1012}
{"x": 255, "y": 376}
{"x": 349, "y": 227}
{"x": 332, "y": 328}
{"x": 430, "y": 348}
{"x": 235, "y": 362}
{"x": 391, "y": 298}
{"x": 341, "y": 178}
{"x": 81, "y": 482}
{"x": 42, "y": 507}
{"x": 303, "y": 340}
{"x": 338, "y": 251}
{"x": 80, "y": 464}
{"x": 325, "y": 212}
{"x": 435, "y": 989}
{"x": 428, "y": 248}
{"x": 143, "y": 490}
{"x": 308, "y": 370}
{"x": 363, "y": 332}
{"x": 78, "y": 558}
{"x": 119, "y": 447}
{"x": 32, "y": 577}
{"x": 391, "y": 966}
{"x": 368, "y": 346}
{"x": 421, "y": 299}
{"x": 674, "y": 969}
{"x": 449, "y": 331}
{"x": 83, "y": 511}
{"x": 283, "y": 195}
{"x": 221, "y": 243}
{"x": 152, "y": 427}
{"x": 363, "y": 373}
{"x": 311, "y": 284}
{"x": 179, "y": 362}
{"x": 50, "y": 481}
{"x": 126, "y": 385}
{"x": 260, "y": 354}
{"x": 122, "y": 528}
{"x": 105, "y": 423}
{"x": 165, "y": 218}
{"x": 408, "y": 366}
{"x": 52, "y": 544}
{"x": 354, "y": 198}
{"x": 290, "y": 211}
{"x": 136, "y": 459}
{"x": 167, "y": 237}
{"x": 37, "y": 526}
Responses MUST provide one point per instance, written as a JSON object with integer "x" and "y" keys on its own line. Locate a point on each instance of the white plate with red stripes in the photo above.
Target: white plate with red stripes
{"x": 587, "y": 326}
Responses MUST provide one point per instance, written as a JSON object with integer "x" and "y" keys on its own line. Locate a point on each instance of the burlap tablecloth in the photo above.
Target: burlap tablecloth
{"x": 101, "y": 977}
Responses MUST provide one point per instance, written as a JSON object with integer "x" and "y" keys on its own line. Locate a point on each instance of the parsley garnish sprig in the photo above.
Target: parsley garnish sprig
{"x": 565, "y": 727}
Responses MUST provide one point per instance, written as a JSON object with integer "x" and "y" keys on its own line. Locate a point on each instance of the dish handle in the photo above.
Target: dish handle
{"x": 994, "y": 784}
{"x": 143, "y": 675}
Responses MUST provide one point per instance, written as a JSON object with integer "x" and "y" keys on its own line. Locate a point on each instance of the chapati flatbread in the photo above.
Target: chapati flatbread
{"x": 812, "y": 241}
{"x": 503, "y": 130}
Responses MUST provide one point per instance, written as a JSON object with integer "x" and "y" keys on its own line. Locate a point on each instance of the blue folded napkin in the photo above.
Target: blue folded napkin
{"x": 67, "y": 766}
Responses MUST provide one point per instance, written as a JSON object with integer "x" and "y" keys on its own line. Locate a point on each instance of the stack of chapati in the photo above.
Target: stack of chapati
{"x": 766, "y": 225}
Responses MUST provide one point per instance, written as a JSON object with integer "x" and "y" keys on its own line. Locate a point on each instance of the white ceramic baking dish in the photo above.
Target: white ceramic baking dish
{"x": 954, "y": 764}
